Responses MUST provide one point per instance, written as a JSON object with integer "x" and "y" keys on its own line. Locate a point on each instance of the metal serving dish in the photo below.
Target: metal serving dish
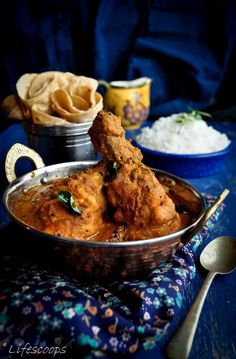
{"x": 99, "y": 260}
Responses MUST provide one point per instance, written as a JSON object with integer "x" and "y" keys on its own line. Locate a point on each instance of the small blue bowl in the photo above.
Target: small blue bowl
{"x": 186, "y": 166}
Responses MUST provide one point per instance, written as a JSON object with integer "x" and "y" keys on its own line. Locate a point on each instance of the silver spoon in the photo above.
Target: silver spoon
{"x": 218, "y": 257}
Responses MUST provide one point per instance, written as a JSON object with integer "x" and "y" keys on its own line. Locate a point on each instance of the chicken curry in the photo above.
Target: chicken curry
{"x": 119, "y": 199}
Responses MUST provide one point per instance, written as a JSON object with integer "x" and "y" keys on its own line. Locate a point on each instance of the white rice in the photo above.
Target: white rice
{"x": 192, "y": 137}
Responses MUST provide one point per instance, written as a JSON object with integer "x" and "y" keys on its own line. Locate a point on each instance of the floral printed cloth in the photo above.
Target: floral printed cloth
{"x": 46, "y": 312}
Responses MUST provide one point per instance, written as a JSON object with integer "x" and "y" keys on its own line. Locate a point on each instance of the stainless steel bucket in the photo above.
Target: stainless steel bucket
{"x": 57, "y": 144}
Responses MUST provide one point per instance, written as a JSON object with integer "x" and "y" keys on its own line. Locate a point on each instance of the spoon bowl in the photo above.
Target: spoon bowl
{"x": 219, "y": 255}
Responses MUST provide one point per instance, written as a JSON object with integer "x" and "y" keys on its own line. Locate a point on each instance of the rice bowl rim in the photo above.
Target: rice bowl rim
{"x": 222, "y": 152}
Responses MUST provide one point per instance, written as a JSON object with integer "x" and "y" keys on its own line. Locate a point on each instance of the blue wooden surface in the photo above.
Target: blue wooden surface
{"x": 216, "y": 333}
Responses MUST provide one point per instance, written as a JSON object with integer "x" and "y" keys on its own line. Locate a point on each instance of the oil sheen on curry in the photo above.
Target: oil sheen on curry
{"x": 119, "y": 199}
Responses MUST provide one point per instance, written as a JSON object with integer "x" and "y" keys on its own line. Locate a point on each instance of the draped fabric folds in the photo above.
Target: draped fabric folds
{"x": 187, "y": 48}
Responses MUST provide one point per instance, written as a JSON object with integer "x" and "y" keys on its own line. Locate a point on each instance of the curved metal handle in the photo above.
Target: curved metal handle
{"x": 209, "y": 212}
{"x": 104, "y": 83}
{"x": 180, "y": 345}
{"x": 20, "y": 151}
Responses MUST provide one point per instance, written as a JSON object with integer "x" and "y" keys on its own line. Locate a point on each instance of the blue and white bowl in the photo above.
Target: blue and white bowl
{"x": 185, "y": 165}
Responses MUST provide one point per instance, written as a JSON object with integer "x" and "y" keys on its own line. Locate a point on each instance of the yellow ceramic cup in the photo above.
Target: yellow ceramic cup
{"x": 128, "y": 99}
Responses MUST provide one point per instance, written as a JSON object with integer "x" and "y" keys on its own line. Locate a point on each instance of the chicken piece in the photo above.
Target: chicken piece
{"x": 137, "y": 197}
{"x": 86, "y": 189}
{"x": 108, "y": 137}
{"x": 141, "y": 203}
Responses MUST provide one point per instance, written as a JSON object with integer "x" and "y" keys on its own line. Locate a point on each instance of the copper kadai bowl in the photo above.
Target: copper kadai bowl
{"x": 96, "y": 259}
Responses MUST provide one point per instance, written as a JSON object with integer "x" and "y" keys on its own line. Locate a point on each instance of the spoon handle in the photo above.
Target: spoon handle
{"x": 180, "y": 345}
{"x": 209, "y": 212}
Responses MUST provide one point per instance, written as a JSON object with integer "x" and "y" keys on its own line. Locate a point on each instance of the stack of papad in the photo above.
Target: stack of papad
{"x": 54, "y": 98}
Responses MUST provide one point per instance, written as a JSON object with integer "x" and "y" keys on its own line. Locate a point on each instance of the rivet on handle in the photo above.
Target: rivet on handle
{"x": 20, "y": 151}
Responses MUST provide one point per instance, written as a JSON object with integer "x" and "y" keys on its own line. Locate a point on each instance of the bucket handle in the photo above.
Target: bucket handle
{"x": 16, "y": 152}
{"x": 104, "y": 83}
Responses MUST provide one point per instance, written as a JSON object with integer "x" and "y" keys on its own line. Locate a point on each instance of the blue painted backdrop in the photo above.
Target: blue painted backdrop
{"x": 187, "y": 47}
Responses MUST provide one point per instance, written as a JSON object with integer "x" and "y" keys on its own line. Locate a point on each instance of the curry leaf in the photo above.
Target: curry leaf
{"x": 67, "y": 199}
{"x": 112, "y": 172}
{"x": 74, "y": 207}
